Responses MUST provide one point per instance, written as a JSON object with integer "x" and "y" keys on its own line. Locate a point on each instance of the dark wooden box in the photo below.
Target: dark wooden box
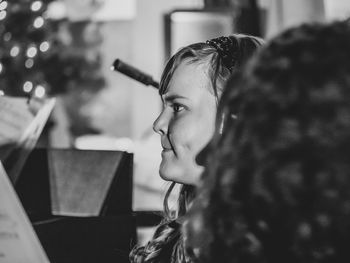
{"x": 80, "y": 203}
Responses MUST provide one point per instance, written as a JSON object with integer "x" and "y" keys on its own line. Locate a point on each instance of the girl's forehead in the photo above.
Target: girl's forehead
{"x": 188, "y": 80}
{"x": 186, "y": 68}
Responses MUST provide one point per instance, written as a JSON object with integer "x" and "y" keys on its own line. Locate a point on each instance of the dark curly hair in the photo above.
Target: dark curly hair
{"x": 277, "y": 181}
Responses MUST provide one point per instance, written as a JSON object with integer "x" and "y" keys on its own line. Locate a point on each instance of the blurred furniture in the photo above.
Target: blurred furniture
{"x": 284, "y": 14}
{"x": 187, "y": 26}
{"x": 80, "y": 203}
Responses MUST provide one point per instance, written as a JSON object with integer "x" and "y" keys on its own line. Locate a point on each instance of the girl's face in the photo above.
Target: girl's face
{"x": 186, "y": 123}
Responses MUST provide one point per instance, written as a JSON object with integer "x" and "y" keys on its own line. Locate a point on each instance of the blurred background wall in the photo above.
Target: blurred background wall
{"x": 135, "y": 34}
{"x": 101, "y": 109}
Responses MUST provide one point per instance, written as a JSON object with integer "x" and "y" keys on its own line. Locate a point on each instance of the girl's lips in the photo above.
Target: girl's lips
{"x": 166, "y": 146}
{"x": 166, "y": 150}
{"x": 165, "y": 143}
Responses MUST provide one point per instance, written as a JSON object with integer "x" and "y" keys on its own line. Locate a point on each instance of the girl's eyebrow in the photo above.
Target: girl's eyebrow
{"x": 171, "y": 98}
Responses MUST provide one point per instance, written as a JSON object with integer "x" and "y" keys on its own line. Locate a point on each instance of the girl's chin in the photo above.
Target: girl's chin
{"x": 177, "y": 174}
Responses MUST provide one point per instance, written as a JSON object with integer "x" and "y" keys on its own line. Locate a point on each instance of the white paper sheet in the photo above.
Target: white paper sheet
{"x": 18, "y": 241}
{"x": 20, "y": 127}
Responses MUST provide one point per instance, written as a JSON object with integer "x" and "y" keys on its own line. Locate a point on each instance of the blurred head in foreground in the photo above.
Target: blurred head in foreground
{"x": 278, "y": 185}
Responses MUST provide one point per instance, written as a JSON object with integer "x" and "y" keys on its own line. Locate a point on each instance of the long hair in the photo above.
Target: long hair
{"x": 278, "y": 187}
{"x": 167, "y": 242}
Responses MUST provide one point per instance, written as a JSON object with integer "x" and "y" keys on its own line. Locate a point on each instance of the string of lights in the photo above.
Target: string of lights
{"x": 34, "y": 61}
{"x": 25, "y": 38}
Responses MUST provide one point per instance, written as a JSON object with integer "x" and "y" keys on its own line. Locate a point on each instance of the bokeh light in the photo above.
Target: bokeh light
{"x": 38, "y": 22}
{"x": 39, "y": 91}
{"x": 36, "y": 5}
{"x": 14, "y": 51}
{"x": 27, "y": 86}
{"x": 3, "y": 5}
{"x": 44, "y": 46}
{"x": 29, "y": 63}
{"x": 2, "y": 14}
{"x": 7, "y": 36}
{"x": 32, "y": 51}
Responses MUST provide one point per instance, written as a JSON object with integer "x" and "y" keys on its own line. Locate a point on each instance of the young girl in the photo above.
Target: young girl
{"x": 190, "y": 88}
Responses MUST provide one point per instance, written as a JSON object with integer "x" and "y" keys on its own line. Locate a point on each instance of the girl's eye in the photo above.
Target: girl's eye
{"x": 178, "y": 107}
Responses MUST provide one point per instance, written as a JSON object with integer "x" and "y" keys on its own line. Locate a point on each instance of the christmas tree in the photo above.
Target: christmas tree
{"x": 33, "y": 59}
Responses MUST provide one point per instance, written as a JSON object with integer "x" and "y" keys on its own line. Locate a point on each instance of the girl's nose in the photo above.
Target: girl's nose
{"x": 160, "y": 125}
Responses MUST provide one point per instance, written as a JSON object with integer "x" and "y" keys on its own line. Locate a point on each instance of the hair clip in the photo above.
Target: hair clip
{"x": 227, "y": 49}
